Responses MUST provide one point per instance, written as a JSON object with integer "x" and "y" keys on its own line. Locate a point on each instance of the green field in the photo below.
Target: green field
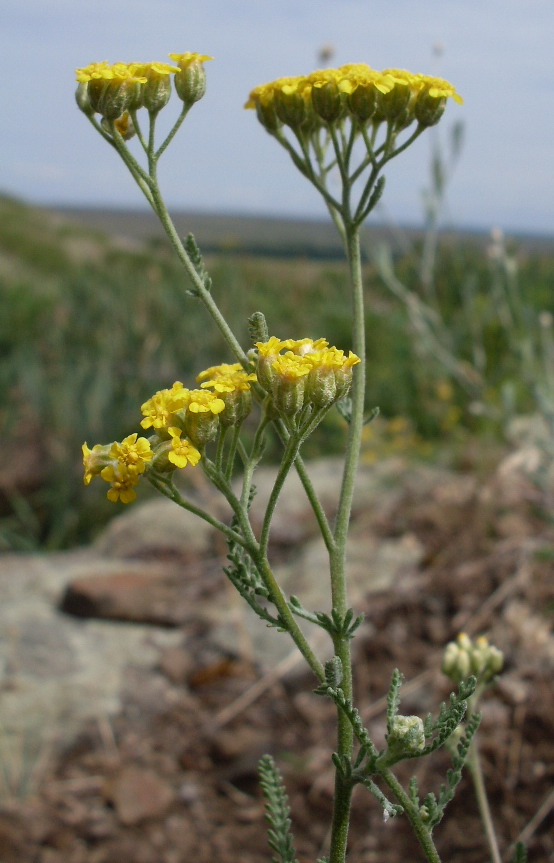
{"x": 95, "y": 317}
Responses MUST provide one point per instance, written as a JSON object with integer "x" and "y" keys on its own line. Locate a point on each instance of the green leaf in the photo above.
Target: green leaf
{"x": 277, "y": 811}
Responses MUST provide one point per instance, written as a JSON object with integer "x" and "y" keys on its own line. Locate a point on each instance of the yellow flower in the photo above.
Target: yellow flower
{"x": 190, "y": 57}
{"x": 325, "y": 94}
{"x": 306, "y": 346}
{"x": 203, "y": 401}
{"x": 190, "y": 80}
{"x": 152, "y": 68}
{"x": 122, "y": 482}
{"x": 133, "y": 452}
{"x": 226, "y": 378}
{"x": 158, "y": 409}
{"x": 271, "y": 347}
{"x": 182, "y": 451}
{"x": 117, "y": 72}
{"x": 94, "y": 460}
{"x": 290, "y": 367}
{"x": 330, "y": 376}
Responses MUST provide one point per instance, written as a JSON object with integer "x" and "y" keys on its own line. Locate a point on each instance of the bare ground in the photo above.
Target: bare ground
{"x": 173, "y": 778}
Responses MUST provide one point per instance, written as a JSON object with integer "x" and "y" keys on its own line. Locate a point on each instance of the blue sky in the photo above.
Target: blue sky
{"x": 498, "y": 53}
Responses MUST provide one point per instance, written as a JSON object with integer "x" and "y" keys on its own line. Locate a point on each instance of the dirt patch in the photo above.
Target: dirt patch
{"x": 167, "y": 781}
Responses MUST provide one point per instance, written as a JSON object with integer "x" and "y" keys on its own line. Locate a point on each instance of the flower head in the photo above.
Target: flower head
{"x": 112, "y": 88}
{"x": 232, "y": 384}
{"x": 226, "y": 377}
{"x": 122, "y": 482}
{"x": 105, "y": 71}
{"x": 190, "y": 57}
{"x": 94, "y": 460}
{"x": 464, "y": 657}
{"x": 158, "y": 409}
{"x": 354, "y": 89}
{"x": 190, "y": 80}
{"x": 134, "y": 452}
{"x": 203, "y": 401}
{"x": 182, "y": 451}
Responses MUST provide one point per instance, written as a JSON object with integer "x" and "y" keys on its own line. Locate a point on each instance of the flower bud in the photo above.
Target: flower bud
{"x": 190, "y": 78}
{"x": 429, "y": 109}
{"x": 83, "y": 99}
{"x": 123, "y": 124}
{"x": 160, "y": 462}
{"x": 290, "y": 106}
{"x": 327, "y": 101}
{"x": 392, "y": 106}
{"x": 267, "y": 353}
{"x": 115, "y": 98}
{"x": 456, "y": 664}
{"x": 407, "y": 736}
{"x": 330, "y": 376}
{"x": 362, "y": 101}
{"x": 268, "y": 116}
{"x": 238, "y": 405}
{"x": 95, "y": 91}
{"x": 156, "y": 93}
{"x": 201, "y": 428}
{"x": 289, "y": 383}
{"x": 464, "y": 657}
{"x": 95, "y": 460}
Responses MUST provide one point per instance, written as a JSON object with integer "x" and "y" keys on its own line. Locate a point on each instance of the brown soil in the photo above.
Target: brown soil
{"x": 486, "y": 570}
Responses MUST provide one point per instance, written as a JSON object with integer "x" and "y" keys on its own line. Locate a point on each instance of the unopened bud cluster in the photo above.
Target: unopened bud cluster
{"x": 355, "y": 91}
{"x": 407, "y": 735}
{"x": 113, "y": 90}
{"x": 465, "y": 657}
{"x": 183, "y": 422}
{"x": 308, "y": 373}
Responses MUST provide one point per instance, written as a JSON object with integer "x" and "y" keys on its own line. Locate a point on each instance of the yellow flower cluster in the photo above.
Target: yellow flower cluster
{"x": 111, "y": 89}
{"x": 293, "y": 372}
{"x": 120, "y": 464}
{"x": 464, "y": 657}
{"x": 183, "y": 421}
{"x": 309, "y": 372}
{"x": 355, "y": 90}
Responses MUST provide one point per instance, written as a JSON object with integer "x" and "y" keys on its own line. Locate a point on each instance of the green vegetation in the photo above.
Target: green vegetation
{"x": 90, "y": 327}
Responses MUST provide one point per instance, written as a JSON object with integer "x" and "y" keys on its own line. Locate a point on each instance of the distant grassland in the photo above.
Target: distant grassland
{"x": 262, "y": 235}
{"x": 94, "y": 318}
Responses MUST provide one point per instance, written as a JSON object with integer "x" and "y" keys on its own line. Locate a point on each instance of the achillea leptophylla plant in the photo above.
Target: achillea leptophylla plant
{"x": 347, "y": 123}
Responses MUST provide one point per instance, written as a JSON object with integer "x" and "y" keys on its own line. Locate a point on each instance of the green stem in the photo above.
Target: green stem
{"x": 287, "y": 617}
{"x": 139, "y": 174}
{"x": 341, "y": 810}
{"x": 287, "y": 462}
{"x": 476, "y": 770}
{"x": 219, "y": 448}
{"x": 138, "y": 130}
{"x": 232, "y": 452}
{"x": 317, "y": 508}
{"x": 412, "y": 813}
{"x": 174, "y": 130}
{"x": 249, "y": 542}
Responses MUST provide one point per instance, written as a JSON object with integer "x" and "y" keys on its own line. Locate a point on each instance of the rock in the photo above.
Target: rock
{"x": 156, "y": 530}
{"x": 176, "y": 663}
{"x": 138, "y": 794}
{"x": 372, "y": 565}
{"x": 59, "y": 671}
{"x": 141, "y": 593}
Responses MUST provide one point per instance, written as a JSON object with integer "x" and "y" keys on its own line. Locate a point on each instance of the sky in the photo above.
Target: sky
{"x": 498, "y": 53}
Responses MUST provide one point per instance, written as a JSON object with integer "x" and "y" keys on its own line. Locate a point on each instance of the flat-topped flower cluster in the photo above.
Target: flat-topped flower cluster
{"x": 354, "y": 90}
{"x": 309, "y": 376}
{"x": 111, "y": 89}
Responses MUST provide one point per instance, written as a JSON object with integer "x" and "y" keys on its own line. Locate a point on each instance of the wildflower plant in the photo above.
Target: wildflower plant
{"x": 349, "y": 123}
